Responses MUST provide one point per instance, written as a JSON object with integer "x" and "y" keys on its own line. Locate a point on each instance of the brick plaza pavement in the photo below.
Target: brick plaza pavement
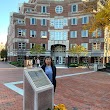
{"x": 84, "y": 92}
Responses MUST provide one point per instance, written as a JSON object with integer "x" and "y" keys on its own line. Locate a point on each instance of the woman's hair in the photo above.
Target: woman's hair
{"x": 46, "y": 58}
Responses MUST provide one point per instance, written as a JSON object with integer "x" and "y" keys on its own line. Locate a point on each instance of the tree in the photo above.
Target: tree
{"x": 78, "y": 50}
{"x": 89, "y": 6}
{"x": 3, "y": 53}
{"x": 101, "y": 18}
{"x": 37, "y": 49}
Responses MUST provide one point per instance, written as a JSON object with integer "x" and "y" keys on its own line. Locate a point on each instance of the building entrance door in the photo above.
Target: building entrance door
{"x": 58, "y": 53}
{"x": 60, "y": 60}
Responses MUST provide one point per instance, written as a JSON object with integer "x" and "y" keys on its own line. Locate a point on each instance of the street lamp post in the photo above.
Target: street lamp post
{"x": 68, "y": 61}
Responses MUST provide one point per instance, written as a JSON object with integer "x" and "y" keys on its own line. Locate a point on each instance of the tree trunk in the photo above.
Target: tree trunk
{"x": 78, "y": 59}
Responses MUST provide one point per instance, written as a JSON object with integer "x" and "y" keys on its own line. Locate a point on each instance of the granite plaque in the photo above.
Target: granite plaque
{"x": 38, "y": 78}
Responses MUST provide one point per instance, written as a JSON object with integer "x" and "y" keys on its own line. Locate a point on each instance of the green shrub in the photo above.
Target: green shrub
{"x": 17, "y": 63}
{"x": 73, "y": 65}
{"x": 76, "y": 65}
{"x": 107, "y": 65}
{"x": 82, "y": 64}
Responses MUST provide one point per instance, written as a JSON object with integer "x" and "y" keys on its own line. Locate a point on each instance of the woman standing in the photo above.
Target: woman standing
{"x": 50, "y": 70}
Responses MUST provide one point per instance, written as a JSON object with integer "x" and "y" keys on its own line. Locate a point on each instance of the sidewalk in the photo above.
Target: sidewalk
{"x": 6, "y": 65}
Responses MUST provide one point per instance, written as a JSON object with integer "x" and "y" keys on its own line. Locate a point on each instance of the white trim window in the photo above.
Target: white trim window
{"x": 32, "y": 45}
{"x": 74, "y": 21}
{"x": 28, "y": 10}
{"x": 20, "y": 21}
{"x": 21, "y": 32}
{"x": 58, "y": 9}
{"x": 73, "y": 34}
{"x": 58, "y": 35}
{"x": 93, "y": 34}
{"x": 43, "y": 9}
{"x": 59, "y": 23}
{"x": 97, "y": 33}
{"x": 85, "y": 19}
{"x": 65, "y": 22}
{"x": 74, "y": 8}
{"x": 52, "y": 22}
{"x": 33, "y": 21}
{"x": 85, "y": 45}
{"x": 32, "y": 33}
{"x": 43, "y": 22}
{"x": 84, "y": 33}
{"x": 72, "y": 45}
{"x": 21, "y": 45}
{"x": 43, "y": 34}
{"x": 96, "y": 46}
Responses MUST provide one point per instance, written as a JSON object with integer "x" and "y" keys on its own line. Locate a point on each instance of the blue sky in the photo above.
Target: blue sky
{"x": 7, "y": 6}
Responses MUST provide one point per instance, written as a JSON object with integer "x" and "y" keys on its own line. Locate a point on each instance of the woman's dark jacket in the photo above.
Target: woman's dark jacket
{"x": 54, "y": 74}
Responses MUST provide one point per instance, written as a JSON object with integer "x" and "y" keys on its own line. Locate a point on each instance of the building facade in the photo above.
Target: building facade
{"x": 57, "y": 25}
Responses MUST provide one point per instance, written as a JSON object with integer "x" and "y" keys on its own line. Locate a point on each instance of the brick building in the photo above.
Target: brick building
{"x": 55, "y": 24}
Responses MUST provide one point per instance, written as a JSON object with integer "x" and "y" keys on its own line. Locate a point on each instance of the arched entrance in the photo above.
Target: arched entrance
{"x": 58, "y": 53}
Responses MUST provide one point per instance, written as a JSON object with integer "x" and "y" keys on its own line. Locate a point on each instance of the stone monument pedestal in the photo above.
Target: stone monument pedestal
{"x": 38, "y": 90}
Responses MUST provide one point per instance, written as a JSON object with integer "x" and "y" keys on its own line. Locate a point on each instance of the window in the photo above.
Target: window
{"x": 74, "y": 21}
{"x": 84, "y": 33}
{"x": 58, "y": 35}
{"x": 74, "y": 8}
{"x": 72, "y": 45}
{"x": 97, "y": 33}
{"x": 43, "y": 22}
{"x": 93, "y": 34}
{"x": 33, "y": 21}
{"x": 85, "y": 20}
{"x": 20, "y": 21}
{"x": 65, "y": 22}
{"x": 85, "y": 45}
{"x": 43, "y": 34}
{"x": 32, "y": 33}
{"x": 43, "y": 9}
{"x": 21, "y": 45}
{"x": 21, "y": 32}
{"x": 19, "y": 58}
{"x": 96, "y": 46}
{"x": 59, "y": 23}
{"x": 32, "y": 45}
{"x": 28, "y": 10}
{"x": 73, "y": 34}
{"x": 43, "y": 45}
{"x": 52, "y": 22}
{"x": 59, "y": 9}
